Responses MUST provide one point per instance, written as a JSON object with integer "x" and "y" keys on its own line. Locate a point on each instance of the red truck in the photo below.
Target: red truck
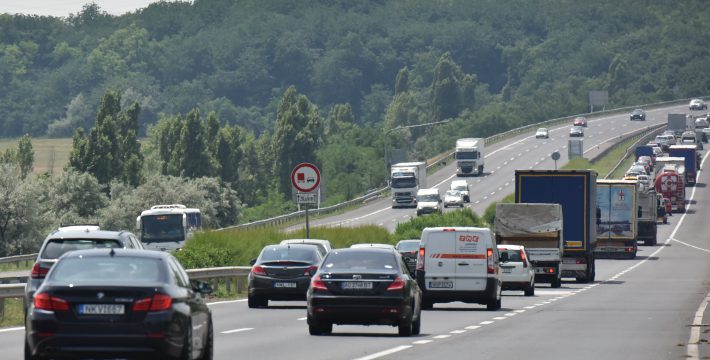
{"x": 670, "y": 184}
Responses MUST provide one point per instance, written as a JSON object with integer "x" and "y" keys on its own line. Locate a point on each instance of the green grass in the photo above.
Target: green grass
{"x": 51, "y": 155}
{"x": 13, "y": 267}
{"x": 12, "y": 314}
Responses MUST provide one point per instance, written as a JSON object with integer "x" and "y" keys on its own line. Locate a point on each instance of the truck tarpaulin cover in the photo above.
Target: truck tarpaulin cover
{"x": 528, "y": 219}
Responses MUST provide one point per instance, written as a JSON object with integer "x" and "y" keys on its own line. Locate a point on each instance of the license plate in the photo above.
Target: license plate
{"x": 507, "y": 271}
{"x": 357, "y": 285}
{"x": 441, "y": 284}
{"x": 102, "y": 309}
{"x": 284, "y": 284}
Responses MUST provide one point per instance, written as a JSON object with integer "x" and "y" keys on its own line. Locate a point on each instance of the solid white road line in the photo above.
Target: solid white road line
{"x": 694, "y": 339}
{"x": 12, "y": 329}
{"x": 237, "y": 330}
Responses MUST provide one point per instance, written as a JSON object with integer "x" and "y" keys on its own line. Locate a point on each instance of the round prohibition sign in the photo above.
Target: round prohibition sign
{"x": 305, "y": 177}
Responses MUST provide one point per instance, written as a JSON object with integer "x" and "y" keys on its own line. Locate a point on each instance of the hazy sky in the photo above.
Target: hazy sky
{"x": 65, "y": 7}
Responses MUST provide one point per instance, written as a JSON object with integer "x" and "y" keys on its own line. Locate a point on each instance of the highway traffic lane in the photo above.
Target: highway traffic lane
{"x": 599, "y": 131}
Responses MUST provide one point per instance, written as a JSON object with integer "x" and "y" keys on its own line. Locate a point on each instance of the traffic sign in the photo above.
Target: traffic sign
{"x": 306, "y": 198}
{"x": 305, "y": 177}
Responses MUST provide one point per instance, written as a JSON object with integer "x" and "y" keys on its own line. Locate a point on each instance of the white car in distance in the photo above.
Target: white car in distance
{"x": 453, "y": 198}
{"x": 542, "y": 133}
{"x": 517, "y": 271}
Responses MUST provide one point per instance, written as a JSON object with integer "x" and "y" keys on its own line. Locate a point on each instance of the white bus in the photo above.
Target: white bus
{"x": 166, "y": 227}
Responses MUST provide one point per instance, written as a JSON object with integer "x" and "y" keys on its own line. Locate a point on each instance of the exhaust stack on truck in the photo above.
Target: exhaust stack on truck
{"x": 538, "y": 227}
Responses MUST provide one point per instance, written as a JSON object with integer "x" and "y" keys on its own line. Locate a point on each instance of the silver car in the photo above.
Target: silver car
{"x": 542, "y": 133}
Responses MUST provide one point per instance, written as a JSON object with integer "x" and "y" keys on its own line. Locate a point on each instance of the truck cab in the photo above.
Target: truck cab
{"x": 406, "y": 179}
{"x": 469, "y": 156}
{"x": 428, "y": 201}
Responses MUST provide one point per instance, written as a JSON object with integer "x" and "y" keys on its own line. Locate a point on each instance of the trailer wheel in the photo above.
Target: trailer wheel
{"x": 556, "y": 282}
{"x": 651, "y": 242}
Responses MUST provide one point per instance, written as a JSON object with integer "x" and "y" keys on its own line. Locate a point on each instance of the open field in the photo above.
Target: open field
{"x": 51, "y": 155}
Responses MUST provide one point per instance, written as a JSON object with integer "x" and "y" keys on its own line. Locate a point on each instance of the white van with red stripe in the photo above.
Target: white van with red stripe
{"x": 459, "y": 264}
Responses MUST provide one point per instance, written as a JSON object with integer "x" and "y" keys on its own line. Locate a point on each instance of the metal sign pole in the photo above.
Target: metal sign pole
{"x": 307, "y": 225}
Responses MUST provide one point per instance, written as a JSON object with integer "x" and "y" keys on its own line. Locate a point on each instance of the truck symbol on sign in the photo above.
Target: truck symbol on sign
{"x": 301, "y": 178}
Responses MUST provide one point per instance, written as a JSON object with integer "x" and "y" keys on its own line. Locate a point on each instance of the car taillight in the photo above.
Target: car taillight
{"x": 491, "y": 264}
{"x": 318, "y": 284}
{"x": 158, "y": 302}
{"x": 38, "y": 272}
{"x": 310, "y": 271}
{"x": 44, "y": 301}
{"x": 396, "y": 285}
{"x": 525, "y": 259}
{"x": 420, "y": 259}
{"x": 258, "y": 270}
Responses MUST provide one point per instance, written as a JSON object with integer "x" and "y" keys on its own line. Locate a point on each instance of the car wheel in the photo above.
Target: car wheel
{"x": 405, "y": 327}
{"x": 208, "y": 348}
{"x": 318, "y": 328}
{"x": 28, "y": 353}
{"x": 417, "y": 324}
{"x": 495, "y": 303}
{"x": 556, "y": 282}
{"x": 530, "y": 290}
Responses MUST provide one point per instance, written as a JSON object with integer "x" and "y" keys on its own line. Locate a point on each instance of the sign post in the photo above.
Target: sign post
{"x": 305, "y": 179}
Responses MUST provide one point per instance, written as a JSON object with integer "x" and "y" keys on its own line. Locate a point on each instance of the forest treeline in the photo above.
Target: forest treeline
{"x": 241, "y": 90}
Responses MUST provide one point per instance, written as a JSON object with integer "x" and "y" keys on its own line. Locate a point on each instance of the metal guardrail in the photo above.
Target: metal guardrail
{"x": 18, "y": 259}
{"x": 229, "y": 275}
{"x": 643, "y": 139}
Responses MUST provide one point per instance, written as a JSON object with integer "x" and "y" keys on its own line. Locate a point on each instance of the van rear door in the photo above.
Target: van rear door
{"x": 440, "y": 269}
{"x": 470, "y": 260}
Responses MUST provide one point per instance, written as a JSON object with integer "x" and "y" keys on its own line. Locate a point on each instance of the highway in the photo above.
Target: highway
{"x": 646, "y": 308}
{"x": 502, "y": 159}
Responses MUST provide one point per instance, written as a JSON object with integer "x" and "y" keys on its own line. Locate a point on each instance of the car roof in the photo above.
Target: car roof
{"x": 371, "y": 246}
{"x": 510, "y": 247}
{"x": 148, "y": 254}
{"x": 408, "y": 240}
{"x": 291, "y": 246}
{"x": 364, "y": 249}
{"x": 305, "y": 241}
{"x": 86, "y": 234}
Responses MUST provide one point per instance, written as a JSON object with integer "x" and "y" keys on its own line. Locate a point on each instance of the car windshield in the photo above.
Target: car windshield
{"x": 542, "y": 130}
{"x": 453, "y": 193}
{"x": 162, "y": 228}
{"x": 467, "y": 155}
{"x": 359, "y": 260}
{"x": 288, "y": 253}
{"x": 408, "y": 246}
{"x": 404, "y": 183}
{"x": 58, "y": 247}
{"x": 638, "y": 111}
{"x": 428, "y": 198}
{"x": 461, "y": 187}
{"x": 108, "y": 270}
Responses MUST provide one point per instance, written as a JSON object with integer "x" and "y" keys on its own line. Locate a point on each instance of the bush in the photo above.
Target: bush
{"x": 412, "y": 229}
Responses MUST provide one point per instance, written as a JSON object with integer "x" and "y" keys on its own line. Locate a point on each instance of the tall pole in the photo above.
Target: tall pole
{"x": 308, "y": 233}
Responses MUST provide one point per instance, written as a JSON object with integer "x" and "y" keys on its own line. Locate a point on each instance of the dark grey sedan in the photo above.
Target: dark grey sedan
{"x": 282, "y": 272}
{"x": 409, "y": 249}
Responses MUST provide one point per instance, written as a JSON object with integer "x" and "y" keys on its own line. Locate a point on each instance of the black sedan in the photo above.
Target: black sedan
{"x": 282, "y": 272}
{"x": 409, "y": 249}
{"x": 119, "y": 303}
{"x": 638, "y": 114}
{"x": 364, "y": 286}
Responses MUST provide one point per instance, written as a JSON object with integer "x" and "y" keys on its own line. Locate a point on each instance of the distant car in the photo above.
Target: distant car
{"x": 646, "y": 160}
{"x": 580, "y": 121}
{"x": 372, "y": 245}
{"x": 323, "y": 245}
{"x": 697, "y": 104}
{"x": 576, "y": 131}
{"x": 542, "y": 133}
{"x": 366, "y": 286}
{"x": 428, "y": 201}
{"x": 282, "y": 272}
{"x": 70, "y": 238}
{"x": 644, "y": 180}
{"x": 117, "y": 303}
{"x": 638, "y": 114}
{"x": 701, "y": 122}
{"x": 664, "y": 141}
{"x": 706, "y": 134}
{"x": 646, "y": 165}
{"x": 463, "y": 187}
{"x": 453, "y": 198}
{"x": 637, "y": 169}
{"x": 657, "y": 151}
{"x": 517, "y": 271}
{"x": 409, "y": 250}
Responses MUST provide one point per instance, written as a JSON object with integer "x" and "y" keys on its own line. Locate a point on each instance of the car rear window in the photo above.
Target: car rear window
{"x": 58, "y": 247}
{"x": 408, "y": 246}
{"x": 360, "y": 260}
{"x": 306, "y": 253}
{"x": 513, "y": 255}
{"x": 108, "y": 270}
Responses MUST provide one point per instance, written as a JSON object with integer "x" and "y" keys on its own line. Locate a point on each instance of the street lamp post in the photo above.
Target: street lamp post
{"x": 401, "y": 128}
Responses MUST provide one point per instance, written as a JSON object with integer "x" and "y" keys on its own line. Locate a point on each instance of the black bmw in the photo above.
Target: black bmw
{"x": 364, "y": 286}
{"x": 119, "y": 303}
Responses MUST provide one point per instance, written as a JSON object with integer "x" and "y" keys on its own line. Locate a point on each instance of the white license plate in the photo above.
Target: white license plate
{"x": 102, "y": 309}
{"x": 357, "y": 285}
{"x": 284, "y": 284}
{"x": 507, "y": 271}
{"x": 441, "y": 284}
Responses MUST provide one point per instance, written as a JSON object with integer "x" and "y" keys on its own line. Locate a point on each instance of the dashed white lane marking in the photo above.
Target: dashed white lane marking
{"x": 472, "y": 327}
{"x": 385, "y": 352}
{"x": 477, "y": 201}
{"x": 500, "y": 188}
{"x": 530, "y": 307}
{"x": 694, "y": 340}
{"x": 487, "y": 322}
{"x": 237, "y": 330}
{"x": 519, "y": 311}
{"x": 506, "y": 184}
{"x": 693, "y": 246}
{"x": 457, "y": 332}
{"x": 12, "y": 329}
{"x": 510, "y": 314}
{"x": 301, "y": 319}
{"x": 499, "y": 318}
{"x": 441, "y": 336}
{"x": 226, "y": 302}
{"x": 422, "y": 342}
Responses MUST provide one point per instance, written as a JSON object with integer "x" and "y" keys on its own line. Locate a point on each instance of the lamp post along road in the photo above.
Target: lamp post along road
{"x": 402, "y": 128}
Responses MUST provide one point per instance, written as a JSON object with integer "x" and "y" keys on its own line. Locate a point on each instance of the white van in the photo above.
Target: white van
{"x": 459, "y": 264}
{"x": 428, "y": 201}
{"x": 463, "y": 187}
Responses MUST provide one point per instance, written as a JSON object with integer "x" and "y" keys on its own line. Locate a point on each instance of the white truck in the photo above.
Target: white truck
{"x": 538, "y": 227}
{"x": 469, "y": 156}
{"x": 406, "y": 179}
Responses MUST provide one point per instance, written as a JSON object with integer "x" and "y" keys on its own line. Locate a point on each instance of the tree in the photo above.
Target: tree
{"x": 21, "y": 224}
{"x": 298, "y": 134}
{"x": 192, "y": 155}
{"x": 401, "y": 83}
{"x": 25, "y": 155}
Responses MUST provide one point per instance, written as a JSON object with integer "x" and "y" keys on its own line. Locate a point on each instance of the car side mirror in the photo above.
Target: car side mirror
{"x": 252, "y": 262}
{"x": 202, "y": 287}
